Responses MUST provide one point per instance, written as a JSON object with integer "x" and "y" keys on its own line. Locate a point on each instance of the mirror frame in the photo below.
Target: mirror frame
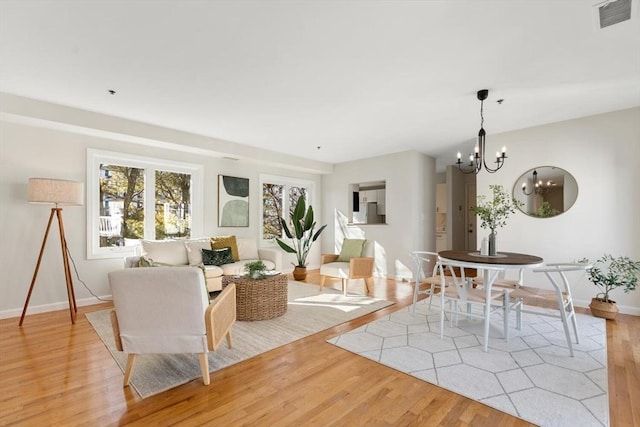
{"x": 546, "y": 174}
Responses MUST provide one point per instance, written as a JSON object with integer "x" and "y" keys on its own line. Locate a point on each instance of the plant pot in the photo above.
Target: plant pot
{"x": 300, "y": 273}
{"x": 604, "y": 309}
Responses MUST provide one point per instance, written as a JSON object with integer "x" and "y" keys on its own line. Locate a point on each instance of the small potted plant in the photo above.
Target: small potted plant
{"x": 302, "y": 237}
{"x": 609, "y": 273}
{"x": 255, "y": 269}
{"x": 494, "y": 212}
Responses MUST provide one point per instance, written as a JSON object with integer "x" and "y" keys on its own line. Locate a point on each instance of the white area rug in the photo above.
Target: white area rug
{"x": 308, "y": 312}
{"x": 531, "y": 377}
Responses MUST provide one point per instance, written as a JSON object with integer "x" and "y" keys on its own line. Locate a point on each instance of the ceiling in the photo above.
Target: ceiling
{"x": 355, "y": 78}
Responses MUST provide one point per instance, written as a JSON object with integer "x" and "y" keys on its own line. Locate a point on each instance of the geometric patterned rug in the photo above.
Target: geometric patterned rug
{"x": 531, "y": 377}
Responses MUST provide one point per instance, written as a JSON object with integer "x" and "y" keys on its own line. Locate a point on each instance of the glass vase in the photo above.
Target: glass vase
{"x": 492, "y": 243}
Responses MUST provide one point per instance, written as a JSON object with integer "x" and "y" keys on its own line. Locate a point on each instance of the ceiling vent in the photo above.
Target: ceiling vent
{"x": 613, "y": 12}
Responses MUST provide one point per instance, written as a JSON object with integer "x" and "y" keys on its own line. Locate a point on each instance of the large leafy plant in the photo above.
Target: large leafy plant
{"x": 609, "y": 273}
{"x": 302, "y": 236}
{"x": 494, "y": 213}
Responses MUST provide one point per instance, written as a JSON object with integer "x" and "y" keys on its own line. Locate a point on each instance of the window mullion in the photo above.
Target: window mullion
{"x": 149, "y": 203}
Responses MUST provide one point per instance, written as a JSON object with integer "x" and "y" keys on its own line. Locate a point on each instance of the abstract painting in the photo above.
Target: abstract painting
{"x": 233, "y": 201}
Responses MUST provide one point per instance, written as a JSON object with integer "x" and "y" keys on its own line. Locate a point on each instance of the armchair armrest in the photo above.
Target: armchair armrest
{"x": 327, "y": 258}
{"x": 220, "y": 317}
{"x": 361, "y": 267}
{"x": 273, "y": 255}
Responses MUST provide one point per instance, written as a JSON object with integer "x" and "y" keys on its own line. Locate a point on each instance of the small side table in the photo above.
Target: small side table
{"x": 259, "y": 299}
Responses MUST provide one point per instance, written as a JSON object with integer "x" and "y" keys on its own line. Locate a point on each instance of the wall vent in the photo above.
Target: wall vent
{"x": 613, "y": 12}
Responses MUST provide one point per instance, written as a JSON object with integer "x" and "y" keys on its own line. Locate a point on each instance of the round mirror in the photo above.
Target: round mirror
{"x": 545, "y": 191}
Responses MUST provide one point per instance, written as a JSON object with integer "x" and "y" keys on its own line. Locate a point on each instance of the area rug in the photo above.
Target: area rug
{"x": 531, "y": 377}
{"x": 308, "y": 312}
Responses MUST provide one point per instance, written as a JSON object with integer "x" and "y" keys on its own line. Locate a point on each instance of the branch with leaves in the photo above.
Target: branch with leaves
{"x": 494, "y": 213}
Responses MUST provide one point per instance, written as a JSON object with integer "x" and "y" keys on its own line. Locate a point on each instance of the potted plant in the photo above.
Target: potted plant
{"x": 301, "y": 238}
{"x": 609, "y": 273}
{"x": 255, "y": 269}
{"x": 494, "y": 212}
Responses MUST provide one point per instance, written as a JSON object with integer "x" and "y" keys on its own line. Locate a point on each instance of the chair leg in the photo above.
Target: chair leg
{"x": 128, "y": 371}
{"x": 344, "y": 287}
{"x": 415, "y": 297}
{"x": 574, "y": 321}
{"x": 229, "y": 340}
{"x": 322, "y": 279}
{"x": 565, "y": 326}
{"x": 431, "y": 290}
{"x": 487, "y": 322}
{"x": 204, "y": 367}
{"x": 368, "y": 282}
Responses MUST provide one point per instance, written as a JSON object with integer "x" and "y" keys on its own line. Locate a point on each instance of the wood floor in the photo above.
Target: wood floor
{"x": 53, "y": 373}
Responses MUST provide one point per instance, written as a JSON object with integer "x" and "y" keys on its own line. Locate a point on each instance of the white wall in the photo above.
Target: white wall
{"x": 30, "y": 151}
{"x": 603, "y": 153}
{"x": 410, "y": 208}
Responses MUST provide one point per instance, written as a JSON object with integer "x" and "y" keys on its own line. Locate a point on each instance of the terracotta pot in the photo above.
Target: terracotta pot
{"x": 606, "y": 310}
{"x": 300, "y": 273}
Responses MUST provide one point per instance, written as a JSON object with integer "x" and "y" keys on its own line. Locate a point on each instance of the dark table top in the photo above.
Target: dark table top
{"x": 501, "y": 259}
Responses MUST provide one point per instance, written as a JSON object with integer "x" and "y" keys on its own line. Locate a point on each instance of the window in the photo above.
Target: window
{"x": 131, "y": 198}
{"x": 280, "y": 194}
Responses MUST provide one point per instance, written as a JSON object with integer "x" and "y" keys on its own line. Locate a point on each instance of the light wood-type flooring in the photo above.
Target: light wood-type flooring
{"x": 53, "y": 373}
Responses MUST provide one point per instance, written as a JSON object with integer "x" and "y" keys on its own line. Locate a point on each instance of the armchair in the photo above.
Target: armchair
{"x": 357, "y": 268}
{"x": 167, "y": 310}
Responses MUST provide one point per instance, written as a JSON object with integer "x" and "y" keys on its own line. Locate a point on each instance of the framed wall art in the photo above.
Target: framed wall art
{"x": 233, "y": 201}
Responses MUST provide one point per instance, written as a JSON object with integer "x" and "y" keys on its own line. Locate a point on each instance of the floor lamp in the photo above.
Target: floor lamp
{"x": 57, "y": 192}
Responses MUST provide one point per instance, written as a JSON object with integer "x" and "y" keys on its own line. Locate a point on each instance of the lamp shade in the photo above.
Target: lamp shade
{"x": 56, "y": 191}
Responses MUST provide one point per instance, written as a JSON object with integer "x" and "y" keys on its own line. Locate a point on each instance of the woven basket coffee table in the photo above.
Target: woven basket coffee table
{"x": 259, "y": 299}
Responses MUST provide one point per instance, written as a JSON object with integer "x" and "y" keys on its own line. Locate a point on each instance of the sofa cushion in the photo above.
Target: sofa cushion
{"x": 194, "y": 250}
{"x": 351, "y": 248}
{"x": 247, "y": 248}
{"x": 148, "y": 262}
{"x": 217, "y": 256}
{"x": 212, "y": 271}
{"x": 171, "y": 252}
{"x": 221, "y": 242}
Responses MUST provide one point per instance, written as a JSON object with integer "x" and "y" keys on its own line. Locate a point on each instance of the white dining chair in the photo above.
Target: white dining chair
{"x": 559, "y": 297}
{"x": 424, "y": 262}
{"x": 459, "y": 297}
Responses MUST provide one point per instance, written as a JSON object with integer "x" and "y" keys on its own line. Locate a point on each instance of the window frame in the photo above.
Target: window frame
{"x": 97, "y": 157}
{"x": 287, "y": 182}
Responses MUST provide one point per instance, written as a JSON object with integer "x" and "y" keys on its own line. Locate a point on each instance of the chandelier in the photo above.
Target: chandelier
{"x": 534, "y": 187}
{"x": 477, "y": 160}
{"x": 539, "y": 187}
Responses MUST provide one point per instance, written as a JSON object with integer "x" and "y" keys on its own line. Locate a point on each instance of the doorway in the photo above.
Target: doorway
{"x": 471, "y": 243}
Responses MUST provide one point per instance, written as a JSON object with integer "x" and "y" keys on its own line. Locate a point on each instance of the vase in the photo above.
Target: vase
{"x": 492, "y": 243}
{"x": 300, "y": 273}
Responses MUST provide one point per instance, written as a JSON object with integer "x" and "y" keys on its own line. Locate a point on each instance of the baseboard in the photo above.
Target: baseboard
{"x": 34, "y": 309}
{"x": 623, "y": 309}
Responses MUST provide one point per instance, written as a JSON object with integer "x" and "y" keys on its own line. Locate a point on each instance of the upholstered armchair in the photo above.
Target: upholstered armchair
{"x": 351, "y": 263}
{"x": 167, "y": 310}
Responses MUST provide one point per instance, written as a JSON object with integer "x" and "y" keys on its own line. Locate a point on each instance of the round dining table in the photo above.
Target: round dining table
{"x": 491, "y": 265}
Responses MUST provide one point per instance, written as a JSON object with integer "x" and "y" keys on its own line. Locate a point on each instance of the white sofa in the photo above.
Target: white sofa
{"x": 188, "y": 252}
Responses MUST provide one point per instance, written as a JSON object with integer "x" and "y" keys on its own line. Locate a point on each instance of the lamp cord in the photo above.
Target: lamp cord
{"x": 78, "y": 275}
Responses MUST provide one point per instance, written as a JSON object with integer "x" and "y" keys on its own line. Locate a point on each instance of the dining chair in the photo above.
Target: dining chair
{"x": 423, "y": 261}
{"x": 459, "y": 297}
{"x": 559, "y": 297}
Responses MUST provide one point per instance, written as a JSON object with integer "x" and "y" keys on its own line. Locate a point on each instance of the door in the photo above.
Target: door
{"x": 470, "y": 200}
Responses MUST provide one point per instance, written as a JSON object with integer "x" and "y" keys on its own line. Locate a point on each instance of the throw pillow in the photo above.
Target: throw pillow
{"x": 351, "y": 248}
{"x": 221, "y": 242}
{"x": 217, "y": 256}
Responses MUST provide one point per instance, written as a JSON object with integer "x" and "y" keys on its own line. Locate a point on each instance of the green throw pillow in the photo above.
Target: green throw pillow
{"x": 217, "y": 256}
{"x": 351, "y": 248}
